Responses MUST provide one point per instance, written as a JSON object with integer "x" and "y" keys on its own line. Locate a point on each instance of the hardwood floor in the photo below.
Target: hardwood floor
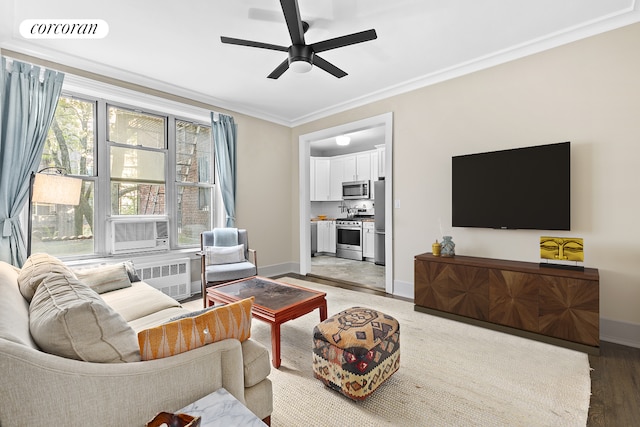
{"x": 615, "y": 375}
{"x": 615, "y": 386}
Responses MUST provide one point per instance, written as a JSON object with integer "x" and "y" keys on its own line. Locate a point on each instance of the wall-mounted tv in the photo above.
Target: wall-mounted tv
{"x": 522, "y": 188}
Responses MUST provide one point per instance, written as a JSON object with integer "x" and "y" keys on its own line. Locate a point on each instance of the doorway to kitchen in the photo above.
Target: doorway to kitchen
{"x": 374, "y": 267}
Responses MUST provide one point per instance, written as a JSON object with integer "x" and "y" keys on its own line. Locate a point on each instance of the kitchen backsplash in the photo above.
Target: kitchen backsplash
{"x": 332, "y": 209}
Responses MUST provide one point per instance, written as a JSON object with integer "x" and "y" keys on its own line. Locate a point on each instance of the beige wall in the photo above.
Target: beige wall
{"x": 263, "y": 198}
{"x": 587, "y": 92}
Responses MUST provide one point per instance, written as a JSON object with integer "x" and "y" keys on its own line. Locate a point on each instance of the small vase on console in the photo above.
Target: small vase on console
{"x": 448, "y": 248}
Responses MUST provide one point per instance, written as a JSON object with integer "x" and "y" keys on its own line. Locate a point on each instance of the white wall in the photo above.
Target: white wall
{"x": 587, "y": 92}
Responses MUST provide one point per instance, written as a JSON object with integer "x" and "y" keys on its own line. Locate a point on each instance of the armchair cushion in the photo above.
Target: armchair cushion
{"x": 227, "y": 321}
{"x": 216, "y": 255}
{"x": 229, "y": 272}
{"x": 225, "y": 236}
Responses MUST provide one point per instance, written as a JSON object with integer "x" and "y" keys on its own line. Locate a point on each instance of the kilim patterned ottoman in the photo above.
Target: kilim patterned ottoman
{"x": 356, "y": 350}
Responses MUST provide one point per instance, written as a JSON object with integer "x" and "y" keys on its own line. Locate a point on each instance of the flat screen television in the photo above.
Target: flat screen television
{"x": 522, "y": 188}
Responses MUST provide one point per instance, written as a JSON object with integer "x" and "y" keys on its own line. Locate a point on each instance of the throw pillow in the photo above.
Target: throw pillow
{"x": 195, "y": 313}
{"x": 227, "y": 321}
{"x": 69, "y": 319}
{"x": 131, "y": 271}
{"x": 224, "y": 254}
{"x": 35, "y": 269}
{"x": 105, "y": 278}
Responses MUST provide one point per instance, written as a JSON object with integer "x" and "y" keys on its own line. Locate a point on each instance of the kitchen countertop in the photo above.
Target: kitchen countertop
{"x": 333, "y": 219}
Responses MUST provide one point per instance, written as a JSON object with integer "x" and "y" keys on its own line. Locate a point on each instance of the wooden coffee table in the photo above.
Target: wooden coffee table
{"x": 275, "y": 303}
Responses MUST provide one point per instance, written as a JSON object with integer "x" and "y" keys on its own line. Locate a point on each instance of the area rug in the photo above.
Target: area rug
{"x": 451, "y": 374}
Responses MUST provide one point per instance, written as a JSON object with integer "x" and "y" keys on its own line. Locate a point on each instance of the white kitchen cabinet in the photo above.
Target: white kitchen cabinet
{"x": 374, "y": 166}
{"x": 322, "y": 190}
{"x": 337, "y": 178}
{"x": 363, "y": 167}
{"x": 368, "y": 233}
{"x": 357, "y": 167}
{"x": 382, "y": 161}
{"x": 312, "y": 179}
{"x": 327, "y": 236}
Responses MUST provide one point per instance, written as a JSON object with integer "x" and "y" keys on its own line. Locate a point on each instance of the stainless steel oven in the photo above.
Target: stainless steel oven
{"x": 349, "y": 239}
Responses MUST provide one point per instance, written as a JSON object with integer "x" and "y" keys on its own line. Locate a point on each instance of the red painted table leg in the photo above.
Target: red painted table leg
{"x": 275, "y": 345}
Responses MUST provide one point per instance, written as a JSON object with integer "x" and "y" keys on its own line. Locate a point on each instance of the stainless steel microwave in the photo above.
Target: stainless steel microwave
{"x": 356, "y": 190}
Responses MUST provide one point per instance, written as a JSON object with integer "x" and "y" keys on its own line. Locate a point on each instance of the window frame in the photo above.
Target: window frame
{"x": 211, "y": 186}
{"x": 102, "y": 177}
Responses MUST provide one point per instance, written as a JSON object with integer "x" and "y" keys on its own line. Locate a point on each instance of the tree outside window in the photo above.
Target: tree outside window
{"x": 70, "y": 146}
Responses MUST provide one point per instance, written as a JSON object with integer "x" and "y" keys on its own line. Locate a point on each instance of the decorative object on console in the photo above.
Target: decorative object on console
{"x": 563, "y": 249}
{"x": 435, "y": 248}
{"x": 448, "y": 247}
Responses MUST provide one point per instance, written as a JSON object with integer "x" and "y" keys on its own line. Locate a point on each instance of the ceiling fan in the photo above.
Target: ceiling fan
{"x": 302, "y": 57}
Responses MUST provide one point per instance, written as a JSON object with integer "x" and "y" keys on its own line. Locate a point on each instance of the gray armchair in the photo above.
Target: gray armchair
{"x": 215, "y": 274}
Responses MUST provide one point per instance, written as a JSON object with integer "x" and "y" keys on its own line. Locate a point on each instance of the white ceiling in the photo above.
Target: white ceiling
{"x": 175, "y": 46}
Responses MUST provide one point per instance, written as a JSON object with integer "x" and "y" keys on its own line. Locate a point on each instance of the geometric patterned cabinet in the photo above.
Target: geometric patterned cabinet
{"x": 549, "y": 304}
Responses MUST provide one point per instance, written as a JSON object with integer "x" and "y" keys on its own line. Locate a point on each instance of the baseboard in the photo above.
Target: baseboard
{"x": 403, "y": 289}
{"x": 278, "y": 269}
{"x": 620, "y": 332}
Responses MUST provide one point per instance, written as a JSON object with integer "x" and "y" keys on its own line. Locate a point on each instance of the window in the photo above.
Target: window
{"x": 70, "y": 146}
{"x": 194, "y": 186}
{"x": 137, "y": 152}
{"x": 154, "y": 164}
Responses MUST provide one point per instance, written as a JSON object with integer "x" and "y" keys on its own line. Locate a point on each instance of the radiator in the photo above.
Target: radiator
{"x": 173, "y": 277}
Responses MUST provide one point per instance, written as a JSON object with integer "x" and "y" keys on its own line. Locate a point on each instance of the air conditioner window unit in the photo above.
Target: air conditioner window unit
{"x": 139, "y": 235}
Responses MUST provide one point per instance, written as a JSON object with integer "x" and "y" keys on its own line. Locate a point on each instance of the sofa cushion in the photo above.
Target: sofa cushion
{"x": 69, "y": 319}
{"x": 156, "y": 319}
{"x": 138, "y": 301}
{"x": 224, "y": 254}
{"x": 227, "y": 321}
{"x": 255, "y": 358}
{"x": 14, "y": 320}
{"x": 35, "y": 269}
{"x": 104, "y": 278}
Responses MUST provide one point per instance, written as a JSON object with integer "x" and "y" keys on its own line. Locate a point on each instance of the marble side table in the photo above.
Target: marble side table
{"x": 221, "y": 409}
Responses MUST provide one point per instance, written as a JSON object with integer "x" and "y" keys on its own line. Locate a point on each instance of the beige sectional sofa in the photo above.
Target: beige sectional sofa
{"x": 39, "y": 388}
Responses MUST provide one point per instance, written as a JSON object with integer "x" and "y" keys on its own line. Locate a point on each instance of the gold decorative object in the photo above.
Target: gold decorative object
{"x": 562, "y": 248}
{"x": 435, "y": 248}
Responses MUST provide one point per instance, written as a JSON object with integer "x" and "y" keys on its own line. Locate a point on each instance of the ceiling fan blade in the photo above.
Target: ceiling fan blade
{"x": 362, "y": 36}
{"x": 249, "y": 43}
{"x": 328, "y": 67}
{"x": 284, "y": 66}
{"x": 294, "y": 22}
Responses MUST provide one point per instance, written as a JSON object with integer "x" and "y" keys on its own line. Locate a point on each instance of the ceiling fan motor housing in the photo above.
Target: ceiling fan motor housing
{"x": 299, "y": 53}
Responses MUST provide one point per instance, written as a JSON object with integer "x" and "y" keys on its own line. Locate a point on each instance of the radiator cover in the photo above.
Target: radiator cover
{"x": 173, "y": 277}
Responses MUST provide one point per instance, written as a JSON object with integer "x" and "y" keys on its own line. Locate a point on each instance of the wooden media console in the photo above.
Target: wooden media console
{"x": 552, "y": 305}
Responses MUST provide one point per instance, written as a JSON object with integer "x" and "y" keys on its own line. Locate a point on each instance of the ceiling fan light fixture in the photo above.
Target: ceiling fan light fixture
{"x": 343, "y": 140}
{"x": 300, "y": 66}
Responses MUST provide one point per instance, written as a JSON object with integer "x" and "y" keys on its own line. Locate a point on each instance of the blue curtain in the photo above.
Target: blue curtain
{"x": 27, "y": 105}
{"x": 224, "y": 138}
